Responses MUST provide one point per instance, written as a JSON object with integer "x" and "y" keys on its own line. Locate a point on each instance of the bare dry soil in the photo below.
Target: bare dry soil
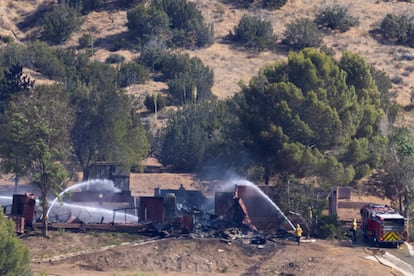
{"x": 196, "y": 256}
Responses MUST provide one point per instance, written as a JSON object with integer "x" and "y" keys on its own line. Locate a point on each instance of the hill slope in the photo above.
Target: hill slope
{"x": 231, "y": 64}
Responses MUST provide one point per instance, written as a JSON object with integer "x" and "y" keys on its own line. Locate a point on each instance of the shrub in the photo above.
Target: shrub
{"x": 336, "y": 18}
{"x": 273, "y": 4}
{"x": 187, "y": 24}
{"x": 152, "y": 58}
{"x": 254, "y": 33}
{"x": 85, "y": 41}
{"x": 14, "y": 256}
{"x": 193, "y": 85}
{"x": 59, "y": 23}
{"x": 44, "y": 59}
{"x": 396, "y": 28}
{"x": 114, "y": 58}
{"x": 302, "y": 33}
{"x": 145, "y": 24}
{"x": 128, "y": 3}
{"x": 85, "y": 6}
{"x": 150, "y": 101}
{"x": 6, "y": 39}
{"x": 329, "y": 227}
{"x": 132, "y": 73}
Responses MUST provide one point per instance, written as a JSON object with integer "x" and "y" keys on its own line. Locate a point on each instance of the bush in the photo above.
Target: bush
{"x": 302, "y": 33}
{"x": 132, "y": 73}
{"x": 43, "y": 58}
{"x": 145, "y": 24}
{"x": 273, "y": 4}
{"x": 128, "y": 3}
{"x": 14, "y": 256}
{"x": 114, "y": 58}
{"x": 397, "y": 28}
{"x": 59, "y": 23}
{"x": 150, "y": 101}
{"x": 6, "y": 39}
{"x": 85, "y": 41}
{"x": 189, "y": 80}
{"x": 153, "y": 58}
{"x": 252, "y": 32}
{"x": 187, "y": 24}
{"x": 336, "y": 18}
{"x": 329, "y": 227}
{"x": 85, "y": 6}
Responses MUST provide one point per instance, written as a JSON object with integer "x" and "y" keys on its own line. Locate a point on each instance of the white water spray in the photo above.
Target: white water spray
{"x": 99, "y": 184}
{"x": 93, "y": 214}
{"x": 243, "y": 182}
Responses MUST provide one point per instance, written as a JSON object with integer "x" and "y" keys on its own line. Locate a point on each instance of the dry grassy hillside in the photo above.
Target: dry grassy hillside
{"x": 232, "y": 65}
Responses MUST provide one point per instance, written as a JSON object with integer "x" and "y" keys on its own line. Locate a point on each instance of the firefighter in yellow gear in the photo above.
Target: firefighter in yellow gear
{"x": 298, "y": 233}
{"x": 354, "y": 229}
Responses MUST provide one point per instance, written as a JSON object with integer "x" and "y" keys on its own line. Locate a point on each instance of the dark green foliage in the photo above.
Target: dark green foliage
{"x": 329, "y": 227}
{"x": 155, "y": 101}
{"x": 13, "y": 81}
{"x": 132, "y": 73}
{"x": 282, "y": 108}
{"x": 107, "y": 127}
{"x": 128, "y": 3}
{"x": 153, "y": 58}
{"x": 302, "y": 33}
{"x": 174, "y": 22}
{"x": 193, "y": 136}
{"x": 85, "y": 6}
{"x": 398, "y": 29}
{"x": 114, "y": 59}
{"x": 6, "y": 39}
{"x": 186, "y": 23}
{"x": 336, "y": 18}
{"x": 395, "y": 27}
{"x": 59, "y": 23}
{"x": 273, "y": 4}
{"x": 252, "y": 32}
{"x": 39, "y": 123}
{"x": 14, "y": 256}
{"x": 145, "y": 24}
{"x": 85, "y": 41}
{"x": 189, "y": 80}
{"x": 383, "y": 83}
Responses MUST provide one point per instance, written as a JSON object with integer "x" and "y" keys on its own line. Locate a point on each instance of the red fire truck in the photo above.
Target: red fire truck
{"x": 383, "y": 225}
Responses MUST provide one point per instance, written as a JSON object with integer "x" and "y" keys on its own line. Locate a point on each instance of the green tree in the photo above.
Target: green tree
{"x": 107, "y": 126}
{"x": 155, "y": 102}
{"x": 336, "y": 18}
{"x": 148, "y": 23}
{"x": 59, "y": 23}
{"x": 302, "y": 33}
{"x": 396, "y": 28}
{"x": 189, "y": 80}
{"x": 282, "y": 109}
{"x": 132, "y": 73}
{"x": 398, "y": 182}
{"x": 13, "y": 81}
{"x": 40, "y": 123}
{"x": 14, "y": 256}
{"x": 273, "y": 4}
{"x": 186, "y": 23}
{"x": 252, "y": 32}
{"x": 194, "y": 136}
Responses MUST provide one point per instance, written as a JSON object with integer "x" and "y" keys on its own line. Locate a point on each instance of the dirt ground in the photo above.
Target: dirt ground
{"x": 196, "y": 256}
